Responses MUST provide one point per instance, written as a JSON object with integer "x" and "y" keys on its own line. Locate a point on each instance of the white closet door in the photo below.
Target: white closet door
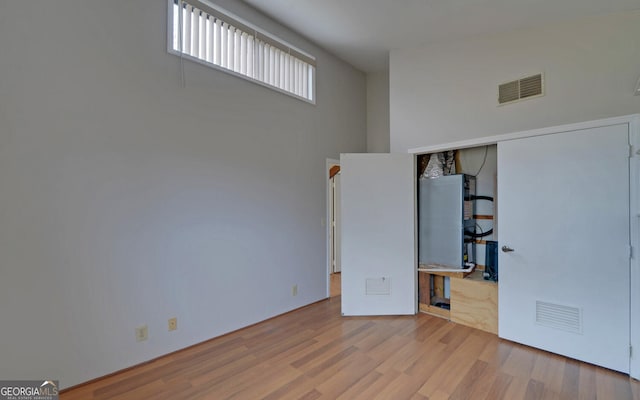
{"x": 564, "y": 210}
{"x": 378, "y": 234}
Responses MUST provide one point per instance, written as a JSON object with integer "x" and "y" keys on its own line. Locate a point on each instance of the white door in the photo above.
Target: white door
{"x": 378, "y": 234}
{"x": 337, "y": 263}
{"x": 564, "y": 210}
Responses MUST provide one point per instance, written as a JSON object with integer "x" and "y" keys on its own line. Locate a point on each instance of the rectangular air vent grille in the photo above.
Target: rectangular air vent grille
{"x": 559, "y": 317}
{"x": 524, "y": 88}
{"x": 378, "y": 286}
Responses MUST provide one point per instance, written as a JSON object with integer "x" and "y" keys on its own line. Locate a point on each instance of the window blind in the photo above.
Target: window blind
{"x": 212, "y": 37}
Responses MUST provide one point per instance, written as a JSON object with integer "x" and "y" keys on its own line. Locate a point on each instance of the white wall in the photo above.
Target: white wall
{"x": 126, "y": 199}
{"x": 447, "y": 92}
{"x": 378, "y": 112}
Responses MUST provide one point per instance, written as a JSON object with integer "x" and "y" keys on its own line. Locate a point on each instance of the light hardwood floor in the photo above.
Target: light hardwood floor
{"x": 315, "y": 353}
{"x": 335, "y": 282}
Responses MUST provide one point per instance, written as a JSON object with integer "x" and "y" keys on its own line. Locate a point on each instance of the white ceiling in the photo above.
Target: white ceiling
{"x": 362, "y": 32}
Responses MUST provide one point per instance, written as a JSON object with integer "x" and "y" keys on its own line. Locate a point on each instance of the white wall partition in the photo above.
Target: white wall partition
{"x": 378, "y": 112}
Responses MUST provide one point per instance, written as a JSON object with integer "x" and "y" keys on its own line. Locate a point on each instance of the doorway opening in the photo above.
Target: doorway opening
{"x": 333, "y": 218}
{"x": 456, "y": 230}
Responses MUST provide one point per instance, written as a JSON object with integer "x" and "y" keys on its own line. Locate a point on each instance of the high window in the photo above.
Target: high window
{"x": 203, "y": 33}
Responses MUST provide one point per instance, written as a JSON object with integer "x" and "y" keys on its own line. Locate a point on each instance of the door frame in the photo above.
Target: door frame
{"x": 633, "y": 122}
{"x": 634, "y": 230}
{"x": 327, "y": 220}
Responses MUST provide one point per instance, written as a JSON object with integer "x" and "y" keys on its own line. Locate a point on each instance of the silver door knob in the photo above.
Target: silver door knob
{"x": 507, "y": 249}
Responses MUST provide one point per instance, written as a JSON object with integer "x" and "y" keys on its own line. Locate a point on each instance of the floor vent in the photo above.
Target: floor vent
{"x": 520, "y": 89}
{"x": 557, "y": 316}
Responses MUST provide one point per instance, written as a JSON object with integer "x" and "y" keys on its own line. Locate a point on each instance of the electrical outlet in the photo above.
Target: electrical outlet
{"x": 173, "y": 324}
{"x": 142, "y": 333}
{"x": 294, "y": 290}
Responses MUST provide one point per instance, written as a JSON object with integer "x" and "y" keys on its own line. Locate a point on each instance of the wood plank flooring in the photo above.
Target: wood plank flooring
{"x": 315, "y": 353}
{"x": 335, "y": 284}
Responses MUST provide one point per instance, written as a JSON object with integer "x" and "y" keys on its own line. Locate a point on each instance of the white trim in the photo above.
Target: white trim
{"x": 487, "y": 140}
{"x": 246, "y": 78}
{"x": 634, "y": 230}
{"x": 328, "y": 163}
{"x": 169, "y": 25}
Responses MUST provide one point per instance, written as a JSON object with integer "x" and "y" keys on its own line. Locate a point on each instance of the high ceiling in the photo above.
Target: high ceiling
{"x": 362, "y": 32}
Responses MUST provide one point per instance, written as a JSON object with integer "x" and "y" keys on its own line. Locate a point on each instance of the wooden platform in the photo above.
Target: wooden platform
{"x": 472, "y": 301}
{"x": 444, "y": 270}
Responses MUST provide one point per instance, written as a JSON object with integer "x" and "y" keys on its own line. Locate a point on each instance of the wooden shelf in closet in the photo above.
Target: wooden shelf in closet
{"x": 473, "y": 301}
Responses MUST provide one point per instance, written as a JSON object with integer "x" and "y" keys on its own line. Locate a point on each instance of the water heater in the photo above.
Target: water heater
{"x": 445, "y": 212}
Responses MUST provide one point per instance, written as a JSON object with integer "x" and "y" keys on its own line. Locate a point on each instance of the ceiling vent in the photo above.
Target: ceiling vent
{"x": 520, "y": 89}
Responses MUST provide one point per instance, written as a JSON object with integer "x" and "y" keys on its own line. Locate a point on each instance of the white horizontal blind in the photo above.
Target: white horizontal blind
{"x": 212, "y": 40}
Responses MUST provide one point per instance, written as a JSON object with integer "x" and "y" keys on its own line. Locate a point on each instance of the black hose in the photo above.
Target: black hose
{"x": 478, "y": 198}
{"x": 478, "y": 235}
{"x": 483, "y": 234}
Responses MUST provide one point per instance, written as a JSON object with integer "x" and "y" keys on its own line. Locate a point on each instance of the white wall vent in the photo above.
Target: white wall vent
{"x": 378, "y": 286}
{"x": 559, "y": 317}
{"x": 520, "y": 89}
